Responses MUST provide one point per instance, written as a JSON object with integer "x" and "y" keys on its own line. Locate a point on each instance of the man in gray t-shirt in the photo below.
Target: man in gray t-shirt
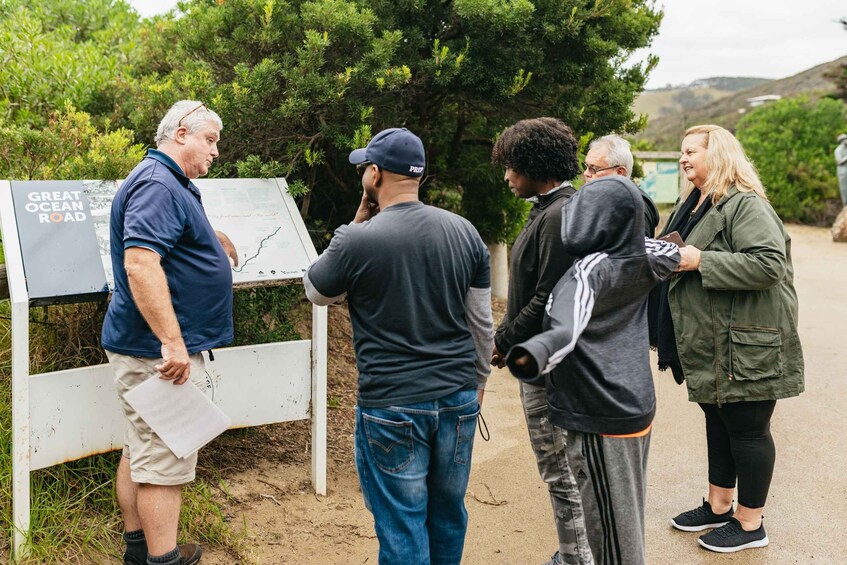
{"x": 417, "y": 284}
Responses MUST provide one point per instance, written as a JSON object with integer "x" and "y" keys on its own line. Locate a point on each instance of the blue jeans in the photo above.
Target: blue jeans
{"x": 413, "y": 462}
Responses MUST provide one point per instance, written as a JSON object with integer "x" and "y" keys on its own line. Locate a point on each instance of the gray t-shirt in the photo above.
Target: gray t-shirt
{"x": 407, "y": 273}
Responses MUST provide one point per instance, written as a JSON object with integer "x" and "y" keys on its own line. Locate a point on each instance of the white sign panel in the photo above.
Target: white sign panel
{"x": 256, "y": 214}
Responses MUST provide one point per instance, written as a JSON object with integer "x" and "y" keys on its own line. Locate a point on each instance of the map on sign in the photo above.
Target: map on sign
{"x": 257, "y": 219}
{"x": 100, "y": 194}
{"x": 256, "y": 214}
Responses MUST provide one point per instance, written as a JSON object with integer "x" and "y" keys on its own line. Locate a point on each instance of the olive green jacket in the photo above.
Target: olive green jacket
{"x": 735, "y": 320}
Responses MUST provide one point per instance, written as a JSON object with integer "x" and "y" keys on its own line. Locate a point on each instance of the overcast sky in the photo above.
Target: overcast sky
{"x": 761, "y": 38}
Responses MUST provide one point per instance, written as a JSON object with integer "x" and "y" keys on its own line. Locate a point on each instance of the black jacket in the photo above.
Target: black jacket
{"x": 538, "y": 260}
{"x": 651, "y": 215}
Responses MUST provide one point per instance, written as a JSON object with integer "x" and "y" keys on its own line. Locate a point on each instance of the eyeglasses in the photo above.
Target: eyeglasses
{"x": 362, "y": 167}
{"x": 594, "y": 170}
{"x": 179, "y": 123}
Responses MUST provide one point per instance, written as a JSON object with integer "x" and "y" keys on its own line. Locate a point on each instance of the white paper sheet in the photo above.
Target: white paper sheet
{"x": 184, "y": 417}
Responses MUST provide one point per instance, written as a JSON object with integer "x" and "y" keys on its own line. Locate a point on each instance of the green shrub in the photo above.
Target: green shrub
{"x": 299, "y": 84}
{"x": 791, "y": 142}
{"x": 70, "y": 147}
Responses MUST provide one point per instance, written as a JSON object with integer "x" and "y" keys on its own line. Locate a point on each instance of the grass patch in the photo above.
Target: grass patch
{"x": 74, "y": 515}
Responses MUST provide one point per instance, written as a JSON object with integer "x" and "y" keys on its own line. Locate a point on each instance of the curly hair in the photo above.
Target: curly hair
{"x": 539, "y": 148}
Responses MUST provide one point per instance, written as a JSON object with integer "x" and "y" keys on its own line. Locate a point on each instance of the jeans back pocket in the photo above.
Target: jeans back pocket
{"x": 390, "y": 442}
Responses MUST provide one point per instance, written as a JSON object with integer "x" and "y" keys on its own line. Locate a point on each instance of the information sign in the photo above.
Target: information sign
{"x": 661, "y": 181}
{"x": 253, "y": 213}
{"x": 60, "y": 252}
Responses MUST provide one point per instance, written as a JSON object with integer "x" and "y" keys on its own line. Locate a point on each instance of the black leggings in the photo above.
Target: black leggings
{"x": 740, "y": 446}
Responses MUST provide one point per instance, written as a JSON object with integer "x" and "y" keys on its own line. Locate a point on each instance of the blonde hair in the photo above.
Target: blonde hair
{"x": 727, "y": 164}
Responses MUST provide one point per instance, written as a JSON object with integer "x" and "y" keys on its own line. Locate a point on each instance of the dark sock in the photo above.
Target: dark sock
{"x": 136, "y": 547}
{"x": 134, "y": 536}
{"x": 170, "y": 558}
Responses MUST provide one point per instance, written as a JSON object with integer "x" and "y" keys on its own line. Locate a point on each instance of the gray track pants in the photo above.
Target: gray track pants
{"x": 612, "y": 478}
{"x": 549, "y": 445}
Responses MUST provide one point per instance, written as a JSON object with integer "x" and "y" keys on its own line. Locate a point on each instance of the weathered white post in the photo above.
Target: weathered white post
{"x": 499, "y": 270}
{"x": 20, "y": 373}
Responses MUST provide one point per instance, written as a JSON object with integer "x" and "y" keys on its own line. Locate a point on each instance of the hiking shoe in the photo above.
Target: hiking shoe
{"x": 732, "y": 537}
{"x": 555, "y": 560}
{"x": 701, "y": 518}
{"x": 189, "y": 553}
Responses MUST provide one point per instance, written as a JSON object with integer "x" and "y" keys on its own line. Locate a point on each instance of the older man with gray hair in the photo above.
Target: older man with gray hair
{"x": 172, "y": 300}
{"x": 611, "y": 155}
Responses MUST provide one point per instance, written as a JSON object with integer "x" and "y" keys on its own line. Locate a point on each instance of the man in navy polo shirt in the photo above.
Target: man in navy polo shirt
{"x": 417, "y": 284}
{"x": 172, "y": 300}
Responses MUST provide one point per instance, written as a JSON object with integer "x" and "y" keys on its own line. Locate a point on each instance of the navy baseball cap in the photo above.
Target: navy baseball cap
{"x": 395, "y": 149}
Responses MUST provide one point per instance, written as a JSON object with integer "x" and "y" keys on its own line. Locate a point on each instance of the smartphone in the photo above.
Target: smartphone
{"x": 673, "y": 237}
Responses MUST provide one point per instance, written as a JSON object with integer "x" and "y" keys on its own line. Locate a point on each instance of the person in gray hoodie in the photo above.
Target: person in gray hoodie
{"x": 596, "y": 332}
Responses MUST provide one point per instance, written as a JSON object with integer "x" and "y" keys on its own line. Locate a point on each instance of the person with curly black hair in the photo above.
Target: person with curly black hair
{"x": 540, "y": 156}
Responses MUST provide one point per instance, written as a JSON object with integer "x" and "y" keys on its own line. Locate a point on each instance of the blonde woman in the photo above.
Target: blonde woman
{"x": 727, "y": 326}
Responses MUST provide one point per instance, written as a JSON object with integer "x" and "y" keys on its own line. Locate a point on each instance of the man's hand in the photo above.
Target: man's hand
{"x": 527, "y": 362}
{"x": 176, "y": 365}
{"x": 229, "y": 248}
{"x": 366, "y": 211}
{"x": 689, "y": 258}
{"x": 497, "y": 358}
{"x": 480, "y": 392}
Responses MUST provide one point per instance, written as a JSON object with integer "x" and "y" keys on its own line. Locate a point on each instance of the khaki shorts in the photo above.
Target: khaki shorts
{"x": 150, "y": 460}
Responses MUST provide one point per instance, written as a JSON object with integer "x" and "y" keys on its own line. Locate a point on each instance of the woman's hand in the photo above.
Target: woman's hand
{"x": 689, "y": 259}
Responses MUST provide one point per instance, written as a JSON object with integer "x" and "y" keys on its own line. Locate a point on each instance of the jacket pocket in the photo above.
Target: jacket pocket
{"x": 756, "y": 353}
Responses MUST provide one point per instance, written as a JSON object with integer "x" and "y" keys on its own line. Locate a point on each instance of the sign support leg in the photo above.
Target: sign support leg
{"x": 319, "y": 349}
{"x": 20, "y": 429}
{"x": 19, "y": 298}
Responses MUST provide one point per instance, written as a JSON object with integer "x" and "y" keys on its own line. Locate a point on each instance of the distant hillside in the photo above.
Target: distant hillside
{"x": 666, "y": 131}
{"x": 730, "y": 84}
{"x": 673, "y": 99}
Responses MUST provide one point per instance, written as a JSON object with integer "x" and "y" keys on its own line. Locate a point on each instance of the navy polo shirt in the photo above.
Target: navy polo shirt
{"x": 159, "y": 208}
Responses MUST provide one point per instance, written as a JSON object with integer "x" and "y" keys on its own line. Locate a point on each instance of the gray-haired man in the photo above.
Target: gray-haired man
{"x": 172, "y": 300}
{"x": 611, "y": 155}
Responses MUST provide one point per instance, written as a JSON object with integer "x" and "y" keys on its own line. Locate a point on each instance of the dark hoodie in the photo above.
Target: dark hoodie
{"x": 596, "y": 324}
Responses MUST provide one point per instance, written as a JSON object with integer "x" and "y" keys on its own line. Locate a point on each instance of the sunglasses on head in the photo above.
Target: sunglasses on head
{"x": 179, "y": 123}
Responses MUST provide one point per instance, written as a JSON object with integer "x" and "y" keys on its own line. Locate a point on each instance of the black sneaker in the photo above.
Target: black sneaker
{"x": 701, "y": 518}
{"x": 732, "y": 537}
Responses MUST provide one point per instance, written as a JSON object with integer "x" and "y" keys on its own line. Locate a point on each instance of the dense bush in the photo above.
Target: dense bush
{"x": 68, "y": 147}
{"x": 63, "y": 51}
{"x": 302, "y": 82}
{"x": 791, "y": 142}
